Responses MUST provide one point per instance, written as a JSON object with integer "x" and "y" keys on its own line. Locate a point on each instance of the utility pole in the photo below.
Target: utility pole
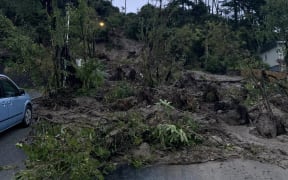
{"x": 66, "y": 45}
{"x": 125, "y": 6}
{"x": 65, "y": 51}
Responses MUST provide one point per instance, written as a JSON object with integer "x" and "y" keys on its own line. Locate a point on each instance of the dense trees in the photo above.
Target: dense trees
{"x": 276, "y": 19}
{"x": 197, "y": 33}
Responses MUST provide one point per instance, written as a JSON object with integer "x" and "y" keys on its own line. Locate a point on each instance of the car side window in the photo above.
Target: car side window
{"x": 9, "y": 89}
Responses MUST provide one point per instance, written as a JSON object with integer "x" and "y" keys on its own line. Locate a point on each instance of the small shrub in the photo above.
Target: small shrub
{"x": 182, "y": 133}
{"x": 191, "y": 127}
{"x": 59, "y": 152}
{"x": 253, "y": 94}
{"x": 216, "y": 66}
{"x": 169, "y": 135}
{"x": 122, "y": 90}
{"x": 137, "y": 163}
{"x": 127, "y": 132}
{"x": 90, "y": 74}
{"x": 166, "y": 104}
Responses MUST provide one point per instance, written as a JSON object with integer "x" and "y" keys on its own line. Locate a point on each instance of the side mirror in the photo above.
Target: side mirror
{"x": 21, "y": 92}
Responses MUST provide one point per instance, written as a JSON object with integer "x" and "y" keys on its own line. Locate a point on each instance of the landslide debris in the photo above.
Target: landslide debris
{"x": 212, "y": 104}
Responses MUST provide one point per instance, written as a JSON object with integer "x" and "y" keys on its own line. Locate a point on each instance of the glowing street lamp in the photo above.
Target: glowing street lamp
{"x": 101, "y": 24}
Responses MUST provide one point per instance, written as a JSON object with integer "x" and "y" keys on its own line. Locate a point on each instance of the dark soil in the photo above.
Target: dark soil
{"x": 224, "y": 123}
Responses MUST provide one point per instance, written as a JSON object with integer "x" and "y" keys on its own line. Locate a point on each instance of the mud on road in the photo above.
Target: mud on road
{"x": 214, "y": 102}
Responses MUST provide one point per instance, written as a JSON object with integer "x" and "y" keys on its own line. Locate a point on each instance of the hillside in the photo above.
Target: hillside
{"x": 168, "y": 124}
{"x": 154, "y": 87}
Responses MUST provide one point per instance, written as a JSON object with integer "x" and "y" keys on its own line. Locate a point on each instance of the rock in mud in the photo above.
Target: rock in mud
{"x": 132, "y": 75}
{"x": 131, "y": 54}
{"x": 186, "y": 80}
{"x": 235, "y": 114}
{"x": 117, "y": 75}
{"x": 143, "y": 151}
{"x": 222, "y": 106}
{"x": 231, "y": 117}
{"x": 211, "y": 94}
{"x": 280, "y": 102}
{"x": 145, "y": 95}
{"x": 216, "y": 139}
{"x": 124, "y": 104}
{"x": 183, "y": 100}
{"x": 266, "y": 126}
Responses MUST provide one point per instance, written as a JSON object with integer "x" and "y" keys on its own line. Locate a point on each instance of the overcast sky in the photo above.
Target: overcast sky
{"x": 132, "y": 5}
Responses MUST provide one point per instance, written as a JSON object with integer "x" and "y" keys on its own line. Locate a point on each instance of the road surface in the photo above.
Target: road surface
{"x": 234, "y": 169}
{"x": 12, "y": 157}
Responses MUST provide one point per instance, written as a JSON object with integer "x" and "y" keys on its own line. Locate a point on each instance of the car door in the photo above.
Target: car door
{"x": 4, "y": 113}
{"x": 15, "y": 101}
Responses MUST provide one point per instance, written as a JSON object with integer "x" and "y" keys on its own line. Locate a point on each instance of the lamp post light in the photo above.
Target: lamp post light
{"x": 101, "y": 24}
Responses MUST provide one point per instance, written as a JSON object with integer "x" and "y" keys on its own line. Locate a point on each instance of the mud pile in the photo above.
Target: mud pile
{"x": 216, "y": 103}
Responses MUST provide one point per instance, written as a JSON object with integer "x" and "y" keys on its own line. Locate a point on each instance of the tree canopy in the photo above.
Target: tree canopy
{"x": 200, "y": 33}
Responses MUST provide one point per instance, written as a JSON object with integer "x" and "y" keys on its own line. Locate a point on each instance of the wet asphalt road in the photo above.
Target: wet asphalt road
{"x": 11, "y": 156}
{"x": 235, "y": 169}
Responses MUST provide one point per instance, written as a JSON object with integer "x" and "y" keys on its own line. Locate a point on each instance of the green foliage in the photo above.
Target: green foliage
{"x": 185, "y": 12}
{"x": 115, "y": 21}
{"x": 33, "y": 23}
{"x": 137, "y": 163}
{"x": 69, "y": 151}
{"x": 176, "y": 132}
{"x": 215, "y": 66}
{"x": 183, "y": 44}
{"x": 120, "y": 91}
{"x": 275, "y": 25}
{"x": 25, "y": 56}
{"x": 253, "y": 93}
{"x": 173, "y": 35}
{"x": 132, "y": 26}
{"x": 90, "y": 74}
{"x": 170, "y": 136}
{"x": 166, "y": 104}
{"x": 59, "y": 151}
{"x": 72, "y": 152}
{"x": 254, "y": 63}
{"x": 7, "y": 28}
{"x": 127, "y": 133}
{"x": 223, "y": 48}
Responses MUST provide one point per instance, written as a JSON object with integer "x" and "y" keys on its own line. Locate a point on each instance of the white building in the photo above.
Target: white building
{"x": 274, "y": 56}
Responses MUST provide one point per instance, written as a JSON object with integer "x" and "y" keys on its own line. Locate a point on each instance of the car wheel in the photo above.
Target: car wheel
{"x": 27, "y": 117}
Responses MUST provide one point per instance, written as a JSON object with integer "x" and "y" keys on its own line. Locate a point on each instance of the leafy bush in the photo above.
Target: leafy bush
{"x": 132, "y": 27}
{"x": 122, "y": 90}
{"x": 216, "y": 66}
{"x": 128, "y": 132}
{"x": 181, "y": 132}
{"x": 72, "y": 152}
{"x": 63, "y": 152}
{"x": 90, "y": 74}
{"x": 169, "y": 135}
